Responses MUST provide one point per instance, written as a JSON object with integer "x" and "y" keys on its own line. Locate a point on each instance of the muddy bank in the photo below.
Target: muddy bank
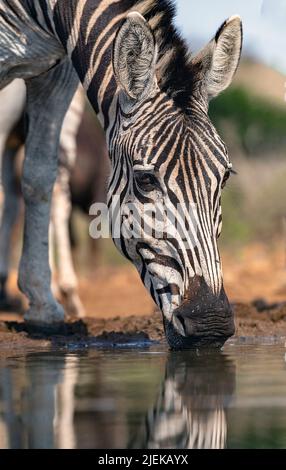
{"x": 257, "y": 319}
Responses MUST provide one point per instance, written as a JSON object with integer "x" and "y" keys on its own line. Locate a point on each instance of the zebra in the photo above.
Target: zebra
{"x": 190, "y": 411}
{"x": 12, "y": 99}
{"x": 151, "y": 97}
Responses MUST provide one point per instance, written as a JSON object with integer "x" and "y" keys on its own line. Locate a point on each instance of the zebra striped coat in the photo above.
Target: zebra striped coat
{"x": 152, "y": 98}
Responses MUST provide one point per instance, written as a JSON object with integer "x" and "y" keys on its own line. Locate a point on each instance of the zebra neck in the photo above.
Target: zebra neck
{"x": 87, "y": 29}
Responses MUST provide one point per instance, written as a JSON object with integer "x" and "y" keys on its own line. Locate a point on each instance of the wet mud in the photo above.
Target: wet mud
{"x": 120, "y": 313}
{"x": 258, "y": 319}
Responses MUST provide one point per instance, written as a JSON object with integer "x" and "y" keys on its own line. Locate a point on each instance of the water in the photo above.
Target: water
{"x": 145, "y": 398}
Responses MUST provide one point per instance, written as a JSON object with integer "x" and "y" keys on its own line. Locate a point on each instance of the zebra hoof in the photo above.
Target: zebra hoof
{"x": 45, "y": 330}
{"x": 73, "y": 306}
{"x": 48, "y": 318}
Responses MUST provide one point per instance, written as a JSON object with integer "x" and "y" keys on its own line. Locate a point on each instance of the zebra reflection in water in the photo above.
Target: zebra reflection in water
{"x": 190, "y": 411}
{"x": 69, "y": 401}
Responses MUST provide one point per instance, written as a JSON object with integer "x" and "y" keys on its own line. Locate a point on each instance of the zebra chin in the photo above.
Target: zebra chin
{"x": 204, "y": 320}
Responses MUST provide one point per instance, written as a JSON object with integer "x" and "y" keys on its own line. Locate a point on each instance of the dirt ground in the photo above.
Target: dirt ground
{"x": 119, "y": 310}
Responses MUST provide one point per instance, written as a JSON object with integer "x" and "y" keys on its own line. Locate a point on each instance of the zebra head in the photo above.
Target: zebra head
{"x": 169, "y": 166}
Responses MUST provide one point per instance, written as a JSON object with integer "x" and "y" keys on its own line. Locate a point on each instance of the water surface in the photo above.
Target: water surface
{"x": 145, "y": 398}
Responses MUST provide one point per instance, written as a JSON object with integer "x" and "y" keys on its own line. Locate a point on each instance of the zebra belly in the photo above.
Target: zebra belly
{"x": 26, "y": 49}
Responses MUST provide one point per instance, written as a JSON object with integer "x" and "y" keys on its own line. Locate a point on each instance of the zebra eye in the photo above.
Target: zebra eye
{"x": 146, "y": 181}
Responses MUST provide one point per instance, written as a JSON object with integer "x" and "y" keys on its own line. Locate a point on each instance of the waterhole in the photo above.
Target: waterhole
{"x": 146, "y": 398}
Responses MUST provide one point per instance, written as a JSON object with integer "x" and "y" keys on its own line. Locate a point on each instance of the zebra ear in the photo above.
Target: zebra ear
{"x": 135, "y": 56}
{"x": 218, "y": 61}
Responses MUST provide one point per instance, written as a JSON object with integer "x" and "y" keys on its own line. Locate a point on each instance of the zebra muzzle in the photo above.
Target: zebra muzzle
{"x": 202, "y": 320}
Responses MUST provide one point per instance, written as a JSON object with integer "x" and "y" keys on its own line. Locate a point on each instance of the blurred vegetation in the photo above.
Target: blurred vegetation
{"x": 260, "y": 126}
{"x": 254, "y": 204}
{"x": 254, "y": 201}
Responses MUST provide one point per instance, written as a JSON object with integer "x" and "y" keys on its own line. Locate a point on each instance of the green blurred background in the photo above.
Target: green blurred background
{"x": 251, "y": 117}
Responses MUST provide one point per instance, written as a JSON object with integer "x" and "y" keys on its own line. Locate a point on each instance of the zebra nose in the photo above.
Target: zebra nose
{"x": 203, "y": 319}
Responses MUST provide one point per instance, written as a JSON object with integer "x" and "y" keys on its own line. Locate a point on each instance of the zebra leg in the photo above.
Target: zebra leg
{"x": 3, "y": 277}
{"x": 12, "y": 101}
{"x": 52, "y": 257}
{"x": 10, "y": 212}
{"x": 61, "y": 210}
{"x": 61, "y": 207}
{"x": 48, "y": 98}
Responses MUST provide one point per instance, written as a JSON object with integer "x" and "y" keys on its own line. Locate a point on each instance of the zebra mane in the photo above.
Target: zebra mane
{"x": 175, "y": 72}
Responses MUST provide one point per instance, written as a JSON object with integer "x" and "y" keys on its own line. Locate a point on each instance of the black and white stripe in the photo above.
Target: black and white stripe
{"x": 182, "y": 417}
